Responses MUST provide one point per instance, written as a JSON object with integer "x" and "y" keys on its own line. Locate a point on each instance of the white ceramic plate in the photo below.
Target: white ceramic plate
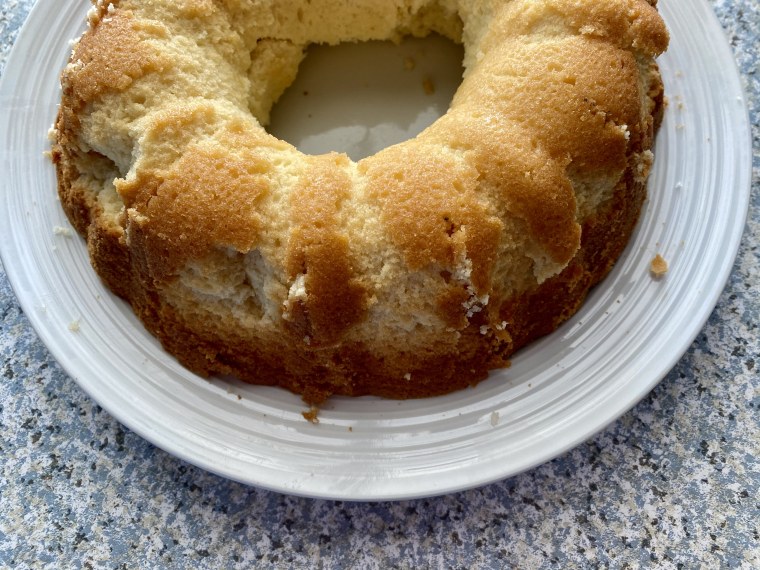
{"x": 559, "y": 391}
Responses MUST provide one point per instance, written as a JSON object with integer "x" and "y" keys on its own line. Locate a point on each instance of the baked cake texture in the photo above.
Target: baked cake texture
{"x": 410, "y": 273}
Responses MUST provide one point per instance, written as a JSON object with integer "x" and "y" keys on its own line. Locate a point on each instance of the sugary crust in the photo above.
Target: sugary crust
{"x": 411, "y": 273}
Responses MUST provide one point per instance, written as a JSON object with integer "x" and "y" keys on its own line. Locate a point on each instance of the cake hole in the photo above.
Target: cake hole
{"x": 451, "y": 227}
{"x": 101, "y": 167}
{"x": 360, "y": 98}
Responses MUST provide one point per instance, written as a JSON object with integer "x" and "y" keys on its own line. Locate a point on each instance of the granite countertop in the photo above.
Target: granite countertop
{"x": 675, "y": 483}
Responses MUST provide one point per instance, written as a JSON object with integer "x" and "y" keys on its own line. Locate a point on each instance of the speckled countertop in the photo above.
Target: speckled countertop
{"x": 675, "y": 483}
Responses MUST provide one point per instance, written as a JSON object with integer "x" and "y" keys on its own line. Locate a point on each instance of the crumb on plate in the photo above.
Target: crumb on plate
{"x": 658, "y": 266}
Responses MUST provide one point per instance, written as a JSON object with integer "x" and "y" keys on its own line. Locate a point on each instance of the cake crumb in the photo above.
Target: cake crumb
{"x": 310, "y": 415}
{"x": 428, "y": 86}
{"x": 659, "y": 266}
{"x": 408, "y": 376}
{"x": 61, "y": 231}
{"x": 74, "y": 325}
{"x": 494, "y": 419}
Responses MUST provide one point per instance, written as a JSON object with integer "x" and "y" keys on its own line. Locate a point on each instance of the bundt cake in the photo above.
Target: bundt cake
{"x": 409, "y": 273}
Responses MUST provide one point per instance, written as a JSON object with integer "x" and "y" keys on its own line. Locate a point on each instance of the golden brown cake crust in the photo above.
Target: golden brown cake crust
{"x": 408, "y": 274}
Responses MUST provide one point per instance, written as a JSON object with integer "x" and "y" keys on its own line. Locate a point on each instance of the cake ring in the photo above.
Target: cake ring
{"x": 409, "y": 273}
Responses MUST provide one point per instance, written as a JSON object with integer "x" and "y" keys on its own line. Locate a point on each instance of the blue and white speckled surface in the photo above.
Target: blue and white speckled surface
{"x": 675, "y": 483}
